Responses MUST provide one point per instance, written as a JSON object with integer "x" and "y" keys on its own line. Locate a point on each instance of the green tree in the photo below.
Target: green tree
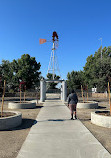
{"x": 97, "y": 70}
{"x": 6, "y": 73}
{"x": 24, "y": 69}
{"x": 75, "y": 79}
{"x": 52, "y": 85}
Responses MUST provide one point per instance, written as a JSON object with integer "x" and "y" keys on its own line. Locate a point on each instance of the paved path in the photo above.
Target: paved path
{"x": 56, "y": 136}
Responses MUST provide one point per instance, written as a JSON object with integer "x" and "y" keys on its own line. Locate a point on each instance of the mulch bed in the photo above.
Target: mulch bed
{"x": 7, "y": 114}
{"x": 104, "y": 113}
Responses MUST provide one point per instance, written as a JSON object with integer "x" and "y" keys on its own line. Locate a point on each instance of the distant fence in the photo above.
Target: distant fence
{"x": 35, "y": 94}
{"x": 90, "y": 94}
{"x": 100, "y": 95}
{"x": 79, "y": 94}
{"x": 17, "y": 94}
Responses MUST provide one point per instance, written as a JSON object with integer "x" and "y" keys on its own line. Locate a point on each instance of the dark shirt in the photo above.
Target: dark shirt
{"x": 72, "y": 98}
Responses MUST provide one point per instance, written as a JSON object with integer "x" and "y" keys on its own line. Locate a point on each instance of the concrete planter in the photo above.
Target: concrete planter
{"x": 10, "y": 121}
{"x": 101, "y": 120}
{"x": 88, "y": 105}
{"x": 18, "y": 105}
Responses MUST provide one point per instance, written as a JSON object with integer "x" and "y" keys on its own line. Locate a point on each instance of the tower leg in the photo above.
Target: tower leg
{"x": 61, "y": 91}
{"x": 42, "y": 90}
{"x": 64, "y": 84}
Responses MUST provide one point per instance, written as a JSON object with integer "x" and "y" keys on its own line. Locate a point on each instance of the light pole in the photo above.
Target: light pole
{"x": 101, "y": 47}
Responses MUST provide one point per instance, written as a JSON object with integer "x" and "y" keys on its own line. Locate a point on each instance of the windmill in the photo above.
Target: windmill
{"x": 53, "y": 64}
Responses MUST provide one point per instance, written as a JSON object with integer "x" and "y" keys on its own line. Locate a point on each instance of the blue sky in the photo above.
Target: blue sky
{"x": 79, "y": 24}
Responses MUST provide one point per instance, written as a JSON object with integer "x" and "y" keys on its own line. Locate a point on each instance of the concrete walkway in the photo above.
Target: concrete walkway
{"x": 56, "y": 136}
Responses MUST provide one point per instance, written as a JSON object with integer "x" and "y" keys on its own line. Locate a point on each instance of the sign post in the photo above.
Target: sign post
{"x": 82, "y": 93}
{"x": 3, "y": 99}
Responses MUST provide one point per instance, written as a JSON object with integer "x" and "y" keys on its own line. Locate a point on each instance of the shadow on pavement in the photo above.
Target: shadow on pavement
{"x": 55, "y": 106}
{"x": 54, "y": 120}
{"x": 26, "y": 123}
{"x": 52, "y": 98}
{"x": 101, "y": 107}
{"x": 38, "y": 107}
{"x": 84, "y": 119}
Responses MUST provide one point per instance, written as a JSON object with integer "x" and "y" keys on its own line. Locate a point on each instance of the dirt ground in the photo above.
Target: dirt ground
{"x": 102, "y": 134}
{"x": 12, "y": 140}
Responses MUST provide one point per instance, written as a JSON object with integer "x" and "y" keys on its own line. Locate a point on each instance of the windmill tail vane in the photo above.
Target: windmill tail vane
{"x": 41, "y": 41}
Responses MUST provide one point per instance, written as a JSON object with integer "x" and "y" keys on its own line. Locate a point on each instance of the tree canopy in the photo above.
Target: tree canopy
{"x": 52, "y": 85}
{"x": 24, "y": 69}
{"x": 96, "y": 71}
{"x": 74, "y": 79}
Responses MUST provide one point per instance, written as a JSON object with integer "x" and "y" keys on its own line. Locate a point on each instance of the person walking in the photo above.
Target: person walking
{"x": 72, "y": 103}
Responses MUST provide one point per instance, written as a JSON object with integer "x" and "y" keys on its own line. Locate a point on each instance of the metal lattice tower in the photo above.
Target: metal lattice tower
{"x": 53, "y": 63}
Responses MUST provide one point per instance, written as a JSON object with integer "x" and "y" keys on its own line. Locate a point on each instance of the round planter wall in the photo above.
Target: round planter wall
{"x": 88, "y": 105}
{"x": 101, "y": 120}
{"x": 10, "y": 121}
{"x": 18, "y": 105}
